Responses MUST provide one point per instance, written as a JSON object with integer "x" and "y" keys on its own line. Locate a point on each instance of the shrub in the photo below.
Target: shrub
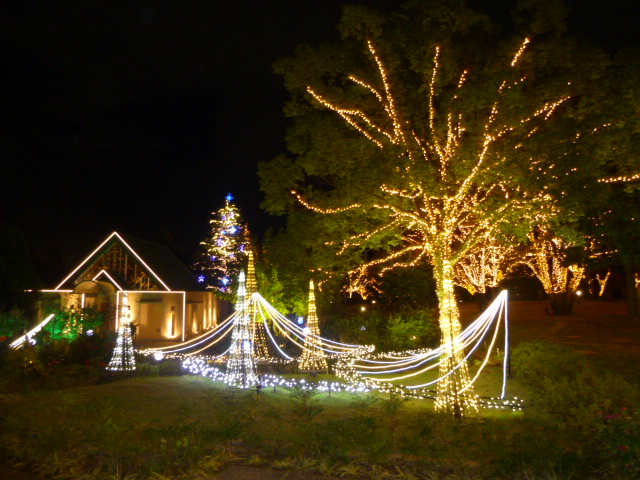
{"x": 12, "y": 324}
{"x": 170, "y": 367}
{"x": 407, "y": 329}
{"x": 592, "y": 415}
{"x": 413, "y": 329}
{"x": 538, "y": 362}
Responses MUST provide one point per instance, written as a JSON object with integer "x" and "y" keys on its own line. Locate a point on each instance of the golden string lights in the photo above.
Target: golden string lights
{"x": 313, "y": 358}
{"x": 358, "y": 368}
{"x": 481, "y": 268}
{"x": 257, "y": 326}
{"x": 548, "y": 261}
{"x": 621, "y": 179}
{"x": 441, "y": 214}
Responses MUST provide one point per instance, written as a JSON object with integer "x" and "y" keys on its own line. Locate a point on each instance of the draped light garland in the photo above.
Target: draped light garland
{"x": 359, "y": 368}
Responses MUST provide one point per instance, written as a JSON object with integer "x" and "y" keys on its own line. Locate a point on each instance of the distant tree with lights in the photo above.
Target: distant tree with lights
{"x": 614, "y": 217}
{"x": 223, "y": 250}
{"x": 417, "y": 147}
{"x": 482, "y": 268}
{"x": 550, "y": 258}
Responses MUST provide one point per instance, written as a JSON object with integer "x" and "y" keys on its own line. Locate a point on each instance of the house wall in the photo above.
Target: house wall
{"x": 158, "y": 316}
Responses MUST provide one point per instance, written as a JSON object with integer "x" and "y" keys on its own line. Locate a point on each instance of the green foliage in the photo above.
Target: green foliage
{"x": 597, "y": 413}
{"x": 406, "y": 329}
{"x": 539, "y": 362}
{"x": 54, "y": 353}
{"x": 18, "y": 280}
{"x": 283, "y": 276}
{"x": 413, "y": 329}
{"x": 170, "y": 367}
{"x": 12, "y": 324}
{"x": 413, "y": 287}
{"x": 71, "y": 323}
{"x": 388, "y": 178}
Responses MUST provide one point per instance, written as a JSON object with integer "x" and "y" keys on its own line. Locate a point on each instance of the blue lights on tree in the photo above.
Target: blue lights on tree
{"x": 223, "y": 249}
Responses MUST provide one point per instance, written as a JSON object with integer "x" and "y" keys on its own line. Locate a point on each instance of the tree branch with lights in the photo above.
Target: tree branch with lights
{"x": 433, "y": 163}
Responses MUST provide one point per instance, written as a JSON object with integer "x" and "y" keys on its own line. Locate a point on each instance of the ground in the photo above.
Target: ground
{"x": 599, "y": 330}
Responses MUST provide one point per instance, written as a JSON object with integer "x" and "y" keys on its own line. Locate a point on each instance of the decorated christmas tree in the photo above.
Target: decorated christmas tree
{"x": 123, "y": 359}
{"x": 223, "y": 250}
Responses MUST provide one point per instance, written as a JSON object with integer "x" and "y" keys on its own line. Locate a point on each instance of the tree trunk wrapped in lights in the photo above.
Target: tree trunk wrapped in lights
{"x": 455, "y": 394}
{"x": 313, "y": 358}
{"x": 123, "y": 356}
{"x": 602, "y": 281}
{"x": 241, "y": 366}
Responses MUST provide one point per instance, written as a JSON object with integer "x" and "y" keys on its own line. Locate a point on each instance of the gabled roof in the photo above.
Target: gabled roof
{"x": 157, "y": 261}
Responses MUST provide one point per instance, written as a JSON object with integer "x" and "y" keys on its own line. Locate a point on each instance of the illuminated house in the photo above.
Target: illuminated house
{"x": 166, "y": 301}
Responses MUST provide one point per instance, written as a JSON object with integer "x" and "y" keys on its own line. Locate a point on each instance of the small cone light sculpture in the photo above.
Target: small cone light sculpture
{"x": 122, "y": 359}
{"x": 258, "y": 329}
{"x": 241, "y": 367}
{"x": 313, "y": 358}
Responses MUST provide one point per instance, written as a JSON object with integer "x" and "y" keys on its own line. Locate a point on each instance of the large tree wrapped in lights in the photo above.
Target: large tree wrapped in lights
{"x": 549, "y": 256}
{"x": 411, "y": 147}
{"x": 223, "y": 250}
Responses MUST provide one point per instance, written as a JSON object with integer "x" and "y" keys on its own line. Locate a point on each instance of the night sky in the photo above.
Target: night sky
{"x": 141, "y": 116}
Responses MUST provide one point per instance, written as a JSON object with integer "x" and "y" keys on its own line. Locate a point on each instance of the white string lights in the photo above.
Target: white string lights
{"x": 123, "y": 359}
{"x": 241, "y": 367}
{"x": 359, "y": 368}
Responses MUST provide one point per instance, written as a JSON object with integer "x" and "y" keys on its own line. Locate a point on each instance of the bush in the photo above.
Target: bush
{"x": 407, "y": 329}
{"x": 12, "y": 324}
{"x": 170, "y": 367}
{"x": 538, "y": 362}
{"x": 413, "y": 329}
{"x": 594, "y": 415}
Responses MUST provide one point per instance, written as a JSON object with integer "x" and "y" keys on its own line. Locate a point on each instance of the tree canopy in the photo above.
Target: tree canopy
{"x": 423, "y": 134}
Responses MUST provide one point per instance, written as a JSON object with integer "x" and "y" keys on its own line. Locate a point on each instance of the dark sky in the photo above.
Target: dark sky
{"x": 142, "y": 116}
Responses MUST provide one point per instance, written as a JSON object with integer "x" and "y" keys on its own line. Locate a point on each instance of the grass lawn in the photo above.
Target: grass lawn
{"x": 190, "y": 427}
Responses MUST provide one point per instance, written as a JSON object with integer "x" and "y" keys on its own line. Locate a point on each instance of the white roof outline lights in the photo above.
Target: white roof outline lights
{"x": 100, "y": 247}
{"x": 108, "y": 276}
